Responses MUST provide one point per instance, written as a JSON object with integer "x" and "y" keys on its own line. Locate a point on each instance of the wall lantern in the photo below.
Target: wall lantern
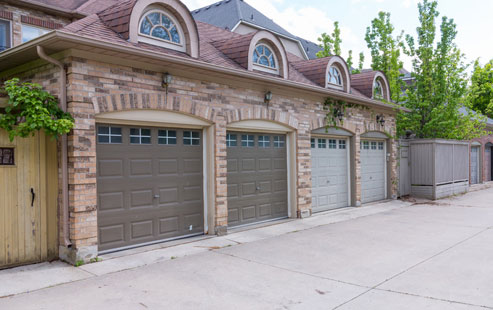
{"x": 381, "y": 119}
{"x": 167, "y": 78}
{"x": 339, "y": 114}
{"x": 268, "y": 97}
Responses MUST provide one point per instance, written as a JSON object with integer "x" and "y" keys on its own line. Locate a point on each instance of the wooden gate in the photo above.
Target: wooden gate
{"x": 28, "y": 200}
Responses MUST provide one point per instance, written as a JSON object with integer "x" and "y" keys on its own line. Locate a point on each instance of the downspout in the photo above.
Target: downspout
{"x": 63, "y": 105}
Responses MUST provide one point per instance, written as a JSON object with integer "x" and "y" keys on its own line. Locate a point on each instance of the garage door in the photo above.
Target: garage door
{"x": 373, "y": 174}
{"x": 474, "y": 165}
{"x": 257, "y": 177}
{"x": 330, "y": 173}
{"x": 149, "y": 184}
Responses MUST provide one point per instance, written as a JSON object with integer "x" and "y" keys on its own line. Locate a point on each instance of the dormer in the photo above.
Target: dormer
{"x": 373, "y": 84}
{"x": 261, "y": 51}
{"x": 328, "y": 72}
{"x": 164, "y": 23}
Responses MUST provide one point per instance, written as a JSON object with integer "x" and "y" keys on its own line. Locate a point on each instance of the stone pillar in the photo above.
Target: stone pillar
{"x": 303, "y": 163}
{"x": 221, "y": 171}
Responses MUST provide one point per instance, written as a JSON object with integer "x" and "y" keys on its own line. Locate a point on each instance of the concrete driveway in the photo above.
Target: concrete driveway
{"x": 388, "y": 256}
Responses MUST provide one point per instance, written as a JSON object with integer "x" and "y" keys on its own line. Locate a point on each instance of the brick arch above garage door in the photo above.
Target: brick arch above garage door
{"x": 152, "y": 101}
{"x": 262, "y": 114}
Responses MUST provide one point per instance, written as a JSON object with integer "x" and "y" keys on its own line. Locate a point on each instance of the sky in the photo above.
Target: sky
{"x": 308, "y": 19}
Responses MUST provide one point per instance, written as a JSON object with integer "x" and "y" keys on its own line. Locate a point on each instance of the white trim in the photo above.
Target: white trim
{"x": 348, "y": 147}
{"x": 259, "y": 126}
{"x": 385, "y": 162}
{"x": 150, "y": 117}
{"x": 264, "y": 68}
{"x": 274, "y": 32}
{"x": 161, "y": 42}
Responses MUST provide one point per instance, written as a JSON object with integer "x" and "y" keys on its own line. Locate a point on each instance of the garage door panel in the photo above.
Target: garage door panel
{"x": 329, "y": 174}
{"x": 110, "y": 201}
{"x": 141, "y": 198}
{"x": 148, "y": 192}
{"x": 373, "y": 176}
{"x": 168, "y": 167}
{"x": 259, "y": 184}
{"x": 112, "y": 234}
{"x": 142, "y": 229}
{"x": 168, "y": 225}
{"x": 110, "y": 168}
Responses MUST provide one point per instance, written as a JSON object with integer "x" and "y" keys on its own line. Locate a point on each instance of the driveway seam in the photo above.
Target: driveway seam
{"x": 375, "y": 287}
{"x": 293, "y": 271}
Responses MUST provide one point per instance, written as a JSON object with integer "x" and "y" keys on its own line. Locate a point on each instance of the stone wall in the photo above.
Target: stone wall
{"x": 19, "y": 16}
{"x": 96, "y": 87}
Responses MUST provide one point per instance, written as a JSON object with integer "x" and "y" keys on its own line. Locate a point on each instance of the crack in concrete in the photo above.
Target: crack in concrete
{"x": 375, "y": 287}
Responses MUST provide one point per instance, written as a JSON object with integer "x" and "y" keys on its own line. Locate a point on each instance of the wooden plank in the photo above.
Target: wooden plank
{"x": 42, "y": 223}
{"x": 52, "y": 197}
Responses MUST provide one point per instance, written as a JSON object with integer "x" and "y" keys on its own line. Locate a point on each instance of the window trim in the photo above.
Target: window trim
{"x": 11, "y": 34}
{"x": 330, "y": 84}
{"x": 192, "y": 138}
{"x": 265, "y": 68}
{"x": 230, "y": 140}
{"x": 158, "y": 41}
{"x": 33, "y": 26}
{"x": 140, "y": 136}
{"x": 167, "y": 137}
{"x": 109, "y": 134}
{"x": 378, "y": 82}
{"x": 247, "y": 140}
{"x": 263, "y": 143}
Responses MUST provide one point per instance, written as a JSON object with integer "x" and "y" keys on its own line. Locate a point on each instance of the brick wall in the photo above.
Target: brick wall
{"x": 95, "y": 87}
{"x": 19, "y": 16}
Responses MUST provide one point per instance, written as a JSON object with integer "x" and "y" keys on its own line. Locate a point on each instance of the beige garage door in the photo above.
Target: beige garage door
{"x": 257, "y": 177}
{"x": 149, "y": 184}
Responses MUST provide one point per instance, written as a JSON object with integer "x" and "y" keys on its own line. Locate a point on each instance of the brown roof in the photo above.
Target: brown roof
{"x": 313, "y": 69}
{"x": 82, "y": 7}
{"x": 363, "y": 82}
{"x": 217, "y": 46}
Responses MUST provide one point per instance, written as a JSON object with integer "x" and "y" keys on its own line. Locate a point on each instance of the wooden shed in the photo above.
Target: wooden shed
{"x": 439, "y": 168}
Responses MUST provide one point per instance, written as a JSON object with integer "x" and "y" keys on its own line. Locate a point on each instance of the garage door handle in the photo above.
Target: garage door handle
{"x": 258, "y": 188}
{"x": 156, "y": 196}
{"x": 33, "y": 195}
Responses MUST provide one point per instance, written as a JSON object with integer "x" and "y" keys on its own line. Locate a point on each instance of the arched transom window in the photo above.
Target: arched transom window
{"x": 334, "y": 76}
{"x": 264, "y": 58}
{"x": 377, "y": 89}
{"x": 159, "y": 25}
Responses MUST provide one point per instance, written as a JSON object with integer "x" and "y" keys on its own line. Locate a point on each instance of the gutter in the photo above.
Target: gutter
{"x": 63, "y": 104}
{"x": 50, "y": 9}
{"x": 137, "y": 51}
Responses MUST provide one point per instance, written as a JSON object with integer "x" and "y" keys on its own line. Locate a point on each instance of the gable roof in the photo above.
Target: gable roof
{"x": 80, "y": 8}
{"x": 227, "y": 14}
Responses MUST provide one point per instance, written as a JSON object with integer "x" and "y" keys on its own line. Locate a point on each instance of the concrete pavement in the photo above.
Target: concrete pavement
{"x": 394, "y": 255}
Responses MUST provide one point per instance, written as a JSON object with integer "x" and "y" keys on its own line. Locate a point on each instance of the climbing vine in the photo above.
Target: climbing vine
{"x": 336, "y": 111}
{"x": 30, "y": 109}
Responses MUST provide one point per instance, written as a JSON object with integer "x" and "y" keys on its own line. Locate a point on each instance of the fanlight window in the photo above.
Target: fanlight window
{"x": 263, "y": 56}
{"x": 160, "y": 26}
{"x": 377, "y": 90}
{"x": 335, "y": 77}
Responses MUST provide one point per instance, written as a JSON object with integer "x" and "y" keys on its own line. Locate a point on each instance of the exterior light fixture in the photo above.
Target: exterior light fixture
{"x": 381, "y": 119}
{"x": 339, "y": 114}
{"x": 167, "y": 78}
{"x": 268, "y": 97}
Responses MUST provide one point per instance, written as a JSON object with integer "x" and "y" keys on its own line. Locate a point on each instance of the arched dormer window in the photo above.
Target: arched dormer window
{"x": 264, "y": 59}
{"x": 377, "y": 89}
{"x": 159, "y": 27}
{"x": 334, "y": 76}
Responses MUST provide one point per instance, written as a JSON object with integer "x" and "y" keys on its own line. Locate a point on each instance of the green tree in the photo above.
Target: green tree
{"x": 440, "y": 82}
{"x": 480, "y": 94}
{"x": 385, "y": 52}
{"x": 331, "y": 45}
{"x": 30, "y": 108}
